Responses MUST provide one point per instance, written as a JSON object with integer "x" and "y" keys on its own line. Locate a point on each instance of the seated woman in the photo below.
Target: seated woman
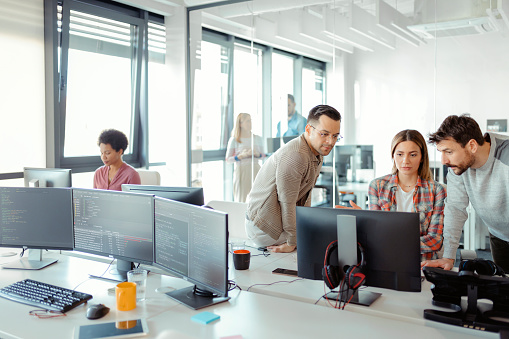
{"x": 410, "y": 188}
{"x": 115, "y": 172}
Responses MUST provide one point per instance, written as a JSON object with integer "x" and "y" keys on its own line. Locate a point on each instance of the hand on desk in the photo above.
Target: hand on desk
{"x": 284, "y": 248}
{"x": 354, "y": 206}
{"x": 445, "y": 263}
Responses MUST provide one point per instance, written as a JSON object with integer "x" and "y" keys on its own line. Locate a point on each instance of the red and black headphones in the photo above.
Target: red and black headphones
{"x": 332, "y": 275}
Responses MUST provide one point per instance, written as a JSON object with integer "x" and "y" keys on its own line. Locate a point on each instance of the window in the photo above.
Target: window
{"x": 313, "y": 84}
{"x": 282, "y": 85}
{"x": 99, "y": 80}
{"x": 158, "y": 111}
{"x": 100, "y": 66}
{"x": 233, "y": 76}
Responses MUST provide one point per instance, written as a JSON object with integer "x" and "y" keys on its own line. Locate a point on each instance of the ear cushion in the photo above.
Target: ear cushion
{"x": 354, "y": 277}
{"x": 331, "y": 276}
{"x": 479, "y": 266}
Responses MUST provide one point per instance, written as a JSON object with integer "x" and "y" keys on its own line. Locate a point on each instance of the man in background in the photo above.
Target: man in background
{"x": 286, "y": 180}
{"x": 479, "y": 175}
{"x": 296, "y": 122}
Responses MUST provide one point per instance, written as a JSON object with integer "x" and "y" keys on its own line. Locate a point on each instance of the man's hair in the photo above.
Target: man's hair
{"x": 316, "y": 112}
{"x": 460, "y": 128}
{"x": 116, "y": 139}
{"x": 416, "y": 137}
{"x": 292, "y": 99}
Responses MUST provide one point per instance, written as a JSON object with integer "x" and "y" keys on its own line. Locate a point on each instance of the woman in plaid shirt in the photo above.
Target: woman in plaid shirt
{"x": 410, "y": 188}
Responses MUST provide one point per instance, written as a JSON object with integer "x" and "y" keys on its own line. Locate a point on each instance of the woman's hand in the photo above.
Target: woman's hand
{"x": 354, "y": 206}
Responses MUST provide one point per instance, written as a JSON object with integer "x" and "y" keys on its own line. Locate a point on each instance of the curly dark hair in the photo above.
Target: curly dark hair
{"x": 115, "y": 138}
{"x": 460, "y": 128}
{"x": 316, "y": 112}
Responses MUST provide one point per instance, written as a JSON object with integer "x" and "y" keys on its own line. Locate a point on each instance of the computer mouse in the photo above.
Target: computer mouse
{"x": 96, "y": 311}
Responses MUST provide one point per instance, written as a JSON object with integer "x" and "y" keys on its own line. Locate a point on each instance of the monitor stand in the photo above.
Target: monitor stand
{"x": 364, "y": 298}
{"x": 33, "y": 262}
{"x": 195, "y": 298}
{"x": 118, "y": 274}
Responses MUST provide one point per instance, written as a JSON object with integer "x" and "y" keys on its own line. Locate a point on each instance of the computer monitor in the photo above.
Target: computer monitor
{"x": 35, "y": 219}
{"x": 114, "y": 224}
{"x": 47, "y": 177}
{"x": 391, "y": 242}
{"x": 190, "y": 195}
{"x": 191, "y": 242}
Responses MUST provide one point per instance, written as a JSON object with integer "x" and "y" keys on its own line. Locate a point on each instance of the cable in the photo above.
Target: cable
{"x": 233, "y": 285}
{"x": 276, "y": 282}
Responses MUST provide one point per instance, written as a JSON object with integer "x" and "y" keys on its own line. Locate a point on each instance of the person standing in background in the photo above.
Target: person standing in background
{"x": 296, "y": 122}
{"x": 244, "y": 156}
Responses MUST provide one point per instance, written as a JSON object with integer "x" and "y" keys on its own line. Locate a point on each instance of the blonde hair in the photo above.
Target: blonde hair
{"x": 416, "y": 137}
{"x": 236, "y": 126}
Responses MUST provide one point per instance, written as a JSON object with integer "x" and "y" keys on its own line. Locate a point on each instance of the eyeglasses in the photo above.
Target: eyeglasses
{"x": 325, "y": 135}
{"x": 43, "y": 314}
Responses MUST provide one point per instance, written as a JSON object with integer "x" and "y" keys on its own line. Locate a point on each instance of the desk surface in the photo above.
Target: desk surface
{"x": 248, "y": 314}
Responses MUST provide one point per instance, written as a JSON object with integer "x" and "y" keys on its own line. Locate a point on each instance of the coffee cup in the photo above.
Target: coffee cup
{"x": 126, "y": 296}
{"x": 241, "y": 259}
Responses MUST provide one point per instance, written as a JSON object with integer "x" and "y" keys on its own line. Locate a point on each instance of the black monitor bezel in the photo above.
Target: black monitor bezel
{"x": 189, "y": 195}
{"x": 114, "y": 255}
{"x": 52, "y": 247}
{"x": 317, "y": 227}
{"x": 30, "y": 173}
{"x": 199, "y": 284}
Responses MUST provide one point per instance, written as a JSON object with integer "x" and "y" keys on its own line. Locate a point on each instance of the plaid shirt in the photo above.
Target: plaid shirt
{"x": 429, "y": 201}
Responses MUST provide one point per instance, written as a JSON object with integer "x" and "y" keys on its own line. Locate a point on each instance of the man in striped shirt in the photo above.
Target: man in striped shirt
{"x": 286, "y": 180}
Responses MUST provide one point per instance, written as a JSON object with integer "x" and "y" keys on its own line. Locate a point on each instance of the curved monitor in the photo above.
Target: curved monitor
{"x": 391, "y": 242}
{"x": 114, "y": 224}
{"x": 190, "y": 195}
{"x": 35, "y": 218}
{"x": 192, "y": 243}
{"x": 47, "y": 177}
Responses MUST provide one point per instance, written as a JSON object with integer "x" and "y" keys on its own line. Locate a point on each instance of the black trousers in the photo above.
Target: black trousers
{"x": 500, "y": 252}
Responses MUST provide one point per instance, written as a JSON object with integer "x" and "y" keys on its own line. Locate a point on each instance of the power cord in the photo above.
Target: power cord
{"x": 276, "y": 282}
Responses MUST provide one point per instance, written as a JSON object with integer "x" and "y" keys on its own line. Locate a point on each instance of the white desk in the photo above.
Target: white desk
{"x": 407, "y": 307}
{"x": 249, "y": 314}
{"x": 255, "y": 316}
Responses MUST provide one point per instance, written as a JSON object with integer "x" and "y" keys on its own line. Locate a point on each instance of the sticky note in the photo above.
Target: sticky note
{"x": 205, "y": 317}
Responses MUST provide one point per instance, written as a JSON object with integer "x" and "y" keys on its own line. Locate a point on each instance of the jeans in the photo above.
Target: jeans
{"x": 500, "y": 252}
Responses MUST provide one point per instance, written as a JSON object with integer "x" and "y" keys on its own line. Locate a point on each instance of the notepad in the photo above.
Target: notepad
{"x": 205, "y": 317}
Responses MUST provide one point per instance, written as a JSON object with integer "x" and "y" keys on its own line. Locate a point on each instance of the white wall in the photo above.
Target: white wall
{"x": 397, "y": 88}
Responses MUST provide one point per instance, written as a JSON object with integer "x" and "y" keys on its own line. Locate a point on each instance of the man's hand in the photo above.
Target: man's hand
{"x": 445, "y": 263}
{"x": 284, "y": 248}
{"x": 354, "y": 206}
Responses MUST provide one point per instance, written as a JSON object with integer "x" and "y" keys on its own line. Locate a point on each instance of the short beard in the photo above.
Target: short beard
{"x": 461, "y": 168}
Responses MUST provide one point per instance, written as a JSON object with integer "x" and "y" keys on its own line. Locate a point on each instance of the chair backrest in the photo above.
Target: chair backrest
{"x": 236, "y": 216}
{"x": 149, "y": 177}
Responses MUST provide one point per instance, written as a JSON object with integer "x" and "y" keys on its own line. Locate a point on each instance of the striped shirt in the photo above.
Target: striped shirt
{"x": 428, "y": 201}
{"x": 284, "y": 182}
